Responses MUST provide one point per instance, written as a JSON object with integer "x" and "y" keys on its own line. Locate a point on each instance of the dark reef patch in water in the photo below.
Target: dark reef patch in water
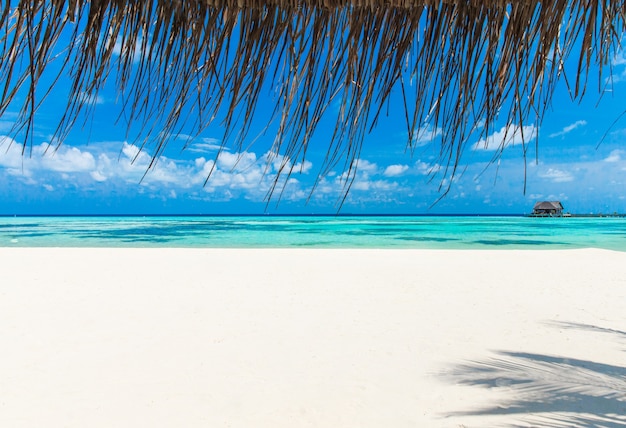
{"x": 425, "y": 239}
{"x": 504, "y": 242}
{"x": 23, "y": 235}
{"x": 19, "y": 225}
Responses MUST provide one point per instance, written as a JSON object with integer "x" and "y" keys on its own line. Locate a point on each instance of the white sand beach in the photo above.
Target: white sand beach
{"x": 311, "y": 338}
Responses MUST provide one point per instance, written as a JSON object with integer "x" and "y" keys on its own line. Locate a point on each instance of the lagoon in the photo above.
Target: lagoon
{"x": 411, "y": 232}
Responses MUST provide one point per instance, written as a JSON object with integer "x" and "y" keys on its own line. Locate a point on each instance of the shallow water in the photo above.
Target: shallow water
{"x": 316, "y": 231}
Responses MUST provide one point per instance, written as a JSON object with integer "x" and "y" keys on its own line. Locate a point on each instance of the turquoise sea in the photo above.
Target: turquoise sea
{"x": 444, "y": 232}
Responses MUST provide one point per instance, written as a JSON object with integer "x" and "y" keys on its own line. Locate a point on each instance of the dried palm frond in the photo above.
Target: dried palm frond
{"x": 458, "y": 65}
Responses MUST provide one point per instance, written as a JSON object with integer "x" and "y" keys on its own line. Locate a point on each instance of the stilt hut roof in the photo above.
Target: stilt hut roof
{"x": 548, "y": 205}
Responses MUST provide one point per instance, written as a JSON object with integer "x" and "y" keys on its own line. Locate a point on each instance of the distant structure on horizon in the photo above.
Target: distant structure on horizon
{"x": 548, "y": 209}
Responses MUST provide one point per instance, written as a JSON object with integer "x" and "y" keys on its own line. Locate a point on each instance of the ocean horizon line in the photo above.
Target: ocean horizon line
{"x": 304, "y": 215}
{"x": 271, "y": 215}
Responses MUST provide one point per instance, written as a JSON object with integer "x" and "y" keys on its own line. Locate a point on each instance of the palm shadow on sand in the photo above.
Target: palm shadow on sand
{"x": 550, "y": 391}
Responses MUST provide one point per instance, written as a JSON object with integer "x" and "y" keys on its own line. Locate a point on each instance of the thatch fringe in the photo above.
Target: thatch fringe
{"x": 460, "y": 66}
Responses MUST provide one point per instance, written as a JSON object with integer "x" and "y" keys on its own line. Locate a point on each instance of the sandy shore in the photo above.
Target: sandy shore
{"x": 311, "y": 338}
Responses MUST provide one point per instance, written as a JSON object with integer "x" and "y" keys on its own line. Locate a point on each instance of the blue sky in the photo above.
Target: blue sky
{"x": 98, "y": 170}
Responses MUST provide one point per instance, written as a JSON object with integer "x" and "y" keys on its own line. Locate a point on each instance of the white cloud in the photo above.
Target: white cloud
{"x": 556, "y": 175}
{"x": 616, "y": 78}
{"x": 366, "y": 166}
{"x": 362, "y": 169}
{"x": 166, "y": 171}
{"x": 236, "y": 161}
{"x": 425, "y": 135}
{"x": 363, "y": 185}
{"x": 245, "y": 175}
{"x": 395, "y": 170}
{"x": 97, "y": 176}
{"x": 44, "y": 157}
{"x": 118, "y": 48}
{"x": 618, "y": 62}
{"x": 619, "y": 58}
{"x": 303, "y": 167}
{"x": 368, "y": 183}
{"x": 614, "y": 156}
{"x": 11, "y": 153}
{"x": 374, "y": 185}
{"x": 204, "y": 146}
{"x": 65, "y": 159}
{"x": 92, "y": 99}
{"x": 568, "y": 129}
{"x": 507, "y": 136}
{"x": 68, "y": 163}
{"x": 133, "y": 153}
{"x": 424, "y": 168}
{"x": 250, "y": 175}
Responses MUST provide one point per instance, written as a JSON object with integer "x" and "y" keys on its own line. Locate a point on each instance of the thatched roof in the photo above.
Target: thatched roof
{"x": 455, "y": 65}
{"x": 548, "y": 206}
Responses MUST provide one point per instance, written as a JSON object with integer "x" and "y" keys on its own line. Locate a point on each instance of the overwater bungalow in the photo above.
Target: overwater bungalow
{"x": 548, "y": 209}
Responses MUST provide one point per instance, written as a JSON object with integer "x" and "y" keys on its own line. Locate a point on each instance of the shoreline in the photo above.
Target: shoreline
{"x": 169, "y": 337}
